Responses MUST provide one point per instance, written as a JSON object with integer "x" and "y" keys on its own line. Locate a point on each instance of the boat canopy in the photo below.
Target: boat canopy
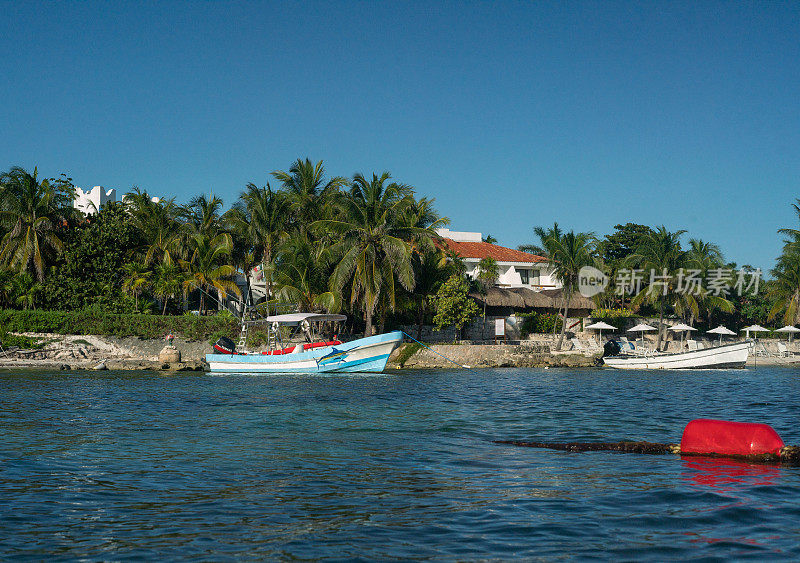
{"x": 294, "y": 319}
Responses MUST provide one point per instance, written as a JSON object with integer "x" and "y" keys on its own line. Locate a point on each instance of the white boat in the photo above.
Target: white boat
{"x": 723, "y": 356}
{"x": 368, "y": 354}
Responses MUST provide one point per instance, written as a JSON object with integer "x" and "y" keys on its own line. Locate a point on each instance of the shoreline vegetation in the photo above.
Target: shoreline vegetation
{"x": 365, "y": 246}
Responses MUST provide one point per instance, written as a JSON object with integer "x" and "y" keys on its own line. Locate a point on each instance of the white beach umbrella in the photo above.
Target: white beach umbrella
{"x": 721, "y": 330}
{"x": 642, "y": 327}
{"x": 601, "y": 326}
{"x": 682, "y": 328}
{"x": 789, "y": 329}
{"x": 754, "y": 328}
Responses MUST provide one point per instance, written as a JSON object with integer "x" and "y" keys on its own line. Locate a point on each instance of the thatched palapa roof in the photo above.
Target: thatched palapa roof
{"x": 524, "y": 298}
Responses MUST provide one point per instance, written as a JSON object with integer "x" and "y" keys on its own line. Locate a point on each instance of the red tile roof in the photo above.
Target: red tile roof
{"x": 481, "y": 250}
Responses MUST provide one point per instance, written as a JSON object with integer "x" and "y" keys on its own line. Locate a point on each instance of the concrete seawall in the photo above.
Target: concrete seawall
{"x": 488, "y": 356}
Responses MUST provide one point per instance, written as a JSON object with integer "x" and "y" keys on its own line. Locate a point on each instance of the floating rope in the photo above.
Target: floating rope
{"x": 434, "y": 351}
{"x": 788, "y": 455}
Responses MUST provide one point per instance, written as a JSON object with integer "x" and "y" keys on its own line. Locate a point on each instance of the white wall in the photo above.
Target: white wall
{"x": 510, "y": 277}
{"x": 92, "y": 200}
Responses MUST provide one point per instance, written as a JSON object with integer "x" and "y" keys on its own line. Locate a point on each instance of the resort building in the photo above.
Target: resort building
{"x": 91, "y": 201}
{"x": 525, "y": 283}
{"x": 515, "y": 268}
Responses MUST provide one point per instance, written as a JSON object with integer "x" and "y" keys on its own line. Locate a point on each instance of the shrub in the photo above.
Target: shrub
{"x": 96, "y": 321}
{"x": 538, "y": 323}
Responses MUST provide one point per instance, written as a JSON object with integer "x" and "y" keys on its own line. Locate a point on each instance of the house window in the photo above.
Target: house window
{"x": 524, "y": 276}
{"x": 536, "y": 277}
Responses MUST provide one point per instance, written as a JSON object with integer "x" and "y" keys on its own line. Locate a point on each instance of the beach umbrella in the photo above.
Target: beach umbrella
{"x": 682, "y": 328}
{"x": 754, "y": 328}
{"x": 601, "y": 326}
{"x": 789, "y": 329}
{"x": 642, "y": 327}
{"x": 721, "y": 330}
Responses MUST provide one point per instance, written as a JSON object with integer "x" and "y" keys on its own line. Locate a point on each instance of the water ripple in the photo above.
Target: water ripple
{"x": 397, "y": 466}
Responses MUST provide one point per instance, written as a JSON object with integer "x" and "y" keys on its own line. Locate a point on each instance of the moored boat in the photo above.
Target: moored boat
{"x": 368, "y": 354}
{"x": 724, "y": 356}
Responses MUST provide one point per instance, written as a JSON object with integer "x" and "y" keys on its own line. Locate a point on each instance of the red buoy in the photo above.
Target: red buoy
{"x": 706, "y": 436}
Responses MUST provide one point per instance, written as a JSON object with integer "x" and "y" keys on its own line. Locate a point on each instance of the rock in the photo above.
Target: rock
{"x": 64, "y": 367}
{"x": 169, "y": 355}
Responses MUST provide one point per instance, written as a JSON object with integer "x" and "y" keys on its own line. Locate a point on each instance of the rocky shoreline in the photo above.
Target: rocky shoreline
{"x": 88, "y": 352}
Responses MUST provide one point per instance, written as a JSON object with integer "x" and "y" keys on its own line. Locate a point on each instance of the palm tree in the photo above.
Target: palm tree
{"x": 547, "y": 238}
{"x": 204, "y": 215}
{"x": 261, "y": 217}
{"x": 137, "y": 278}
{"x": 660, "y": 253}
{"x": 431, "y": 269}
{"x": 375, "y": 254}
{"x": 302, "y": 277}
{"x": 167, "y": 283}
{"x": 158, "y": 222}
{"x": 31, "y": 212}
{"x": 310, "y": 195}
{"x": 569, "y": 253}
{"x": 25, "y": 289}
{"x": 703, "y": 257}
{"x": 205, "y": 269}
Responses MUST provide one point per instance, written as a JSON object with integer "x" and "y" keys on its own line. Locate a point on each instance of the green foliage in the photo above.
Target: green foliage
{"x": 406, "y": 351}
{"x": 92, "y": 268}
{"x": 618, "y": 313}
{"x": 623, "y": 242}
{"x": 539, "y": 323}
{"x": 8, "y": 340}
{"x": 31, "y": 215}
{"x": 453, "y": 304}
{"x": 98, "y": 322}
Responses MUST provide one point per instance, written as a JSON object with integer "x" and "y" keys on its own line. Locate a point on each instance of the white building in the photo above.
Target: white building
{"x": 92, "y": 200}
{"x": 515, "y": 268}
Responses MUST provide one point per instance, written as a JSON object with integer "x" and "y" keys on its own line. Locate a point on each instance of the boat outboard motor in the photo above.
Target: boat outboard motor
{"x": 611, "y": 348}
{"x": 225, "y": 346}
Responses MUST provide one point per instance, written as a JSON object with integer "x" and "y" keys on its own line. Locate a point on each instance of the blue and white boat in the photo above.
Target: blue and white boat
{"x": 368, "y": 354}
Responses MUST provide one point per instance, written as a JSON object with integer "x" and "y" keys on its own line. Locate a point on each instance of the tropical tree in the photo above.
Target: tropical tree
{"x": 204, "y": 216}
{"x": 454, "y": 307}
{"x": 25, "y": 290}
{"x": 431, "y": 269}
{"x": 704, "y": 258}
{"x": 260, "y": 218}
{"x": 302, "y": 277}
{"x": 136, "y": 280}
{"x": 784, "y": 291}
{"x": 205, "y": 267}
{"x": 568, "y": 253}
{"x": 373, "y": 243}
{"x": 31, "y": 212}
{"x": 167, "y": 283}
{"x": 660, "y": 254}
{"x": 158, "y": 221}
{"x": 311, "y": 197}
{"x": 548, "y": 238}
{"x": 487, "y": 276}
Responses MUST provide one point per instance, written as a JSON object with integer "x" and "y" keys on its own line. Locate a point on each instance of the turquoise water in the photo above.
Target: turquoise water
{"x": 402, "y": 465}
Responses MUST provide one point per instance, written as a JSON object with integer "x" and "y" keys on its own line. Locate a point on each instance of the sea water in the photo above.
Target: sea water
{"x": 114, "y": 465}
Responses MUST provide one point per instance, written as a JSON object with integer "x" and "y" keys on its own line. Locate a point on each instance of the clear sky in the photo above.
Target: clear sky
{"x": 510, "y": 114}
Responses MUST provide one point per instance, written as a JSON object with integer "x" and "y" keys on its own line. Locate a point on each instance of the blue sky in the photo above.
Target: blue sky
{"x": 510, "y": 114}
